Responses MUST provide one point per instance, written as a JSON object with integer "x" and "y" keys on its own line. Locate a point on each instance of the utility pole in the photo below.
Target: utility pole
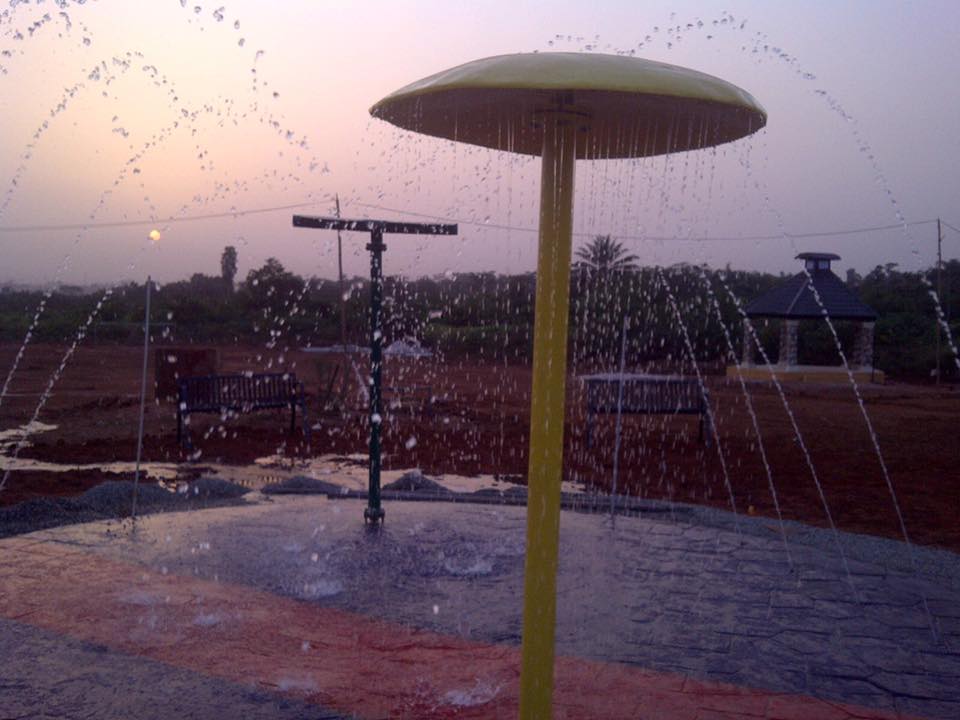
{"x": 143, "y": 398}
{"x": 343, "y": 303}
{"x": 939, "y": 292}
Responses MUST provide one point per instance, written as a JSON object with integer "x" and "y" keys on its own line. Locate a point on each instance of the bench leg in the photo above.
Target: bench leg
{"x": 183, "y": 432}
{"x": 306, "y": 423}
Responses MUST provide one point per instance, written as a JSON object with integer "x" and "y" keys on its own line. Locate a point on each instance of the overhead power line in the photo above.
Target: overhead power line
{"x": 156, "y": 221}
{"x": 463, "y": 221}
{"x": 671, "y": 238}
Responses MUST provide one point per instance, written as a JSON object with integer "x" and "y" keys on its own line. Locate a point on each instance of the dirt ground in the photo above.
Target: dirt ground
{"x": 478, "y": 422}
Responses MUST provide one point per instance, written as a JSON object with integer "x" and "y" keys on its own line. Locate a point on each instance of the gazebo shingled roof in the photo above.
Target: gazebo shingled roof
{"x": 794, "y": 299}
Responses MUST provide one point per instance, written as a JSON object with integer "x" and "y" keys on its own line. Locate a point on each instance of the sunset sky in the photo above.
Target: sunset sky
{"x": 116, "y": 111}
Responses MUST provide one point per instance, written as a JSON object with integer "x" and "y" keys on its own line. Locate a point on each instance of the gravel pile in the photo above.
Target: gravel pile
{"x": 214, "y": 488}
{"x": 114, "y": 499}
{"x": 416, "y": 481}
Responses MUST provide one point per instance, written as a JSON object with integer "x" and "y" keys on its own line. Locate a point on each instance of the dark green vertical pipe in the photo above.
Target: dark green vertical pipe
{"x": 374, "y": 512}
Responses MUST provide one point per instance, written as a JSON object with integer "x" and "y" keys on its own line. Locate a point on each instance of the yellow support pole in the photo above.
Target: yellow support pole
{"x": 547, "y": 415}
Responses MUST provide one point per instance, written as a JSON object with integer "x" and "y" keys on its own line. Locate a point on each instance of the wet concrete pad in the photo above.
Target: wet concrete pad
{"x": 648, "y": 599}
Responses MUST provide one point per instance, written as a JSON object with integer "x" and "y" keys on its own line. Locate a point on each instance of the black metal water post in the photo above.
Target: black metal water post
{"x": 373, "y": 513}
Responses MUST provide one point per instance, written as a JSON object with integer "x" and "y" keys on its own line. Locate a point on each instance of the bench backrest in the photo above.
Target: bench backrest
{"x": 239, "y": 392}
{"x": 661, "y": 396}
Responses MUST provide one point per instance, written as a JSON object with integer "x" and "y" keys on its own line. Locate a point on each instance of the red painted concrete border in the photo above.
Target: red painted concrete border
{"x": 345, "y": 661}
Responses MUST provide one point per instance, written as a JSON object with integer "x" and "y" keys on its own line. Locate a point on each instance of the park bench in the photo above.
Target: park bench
{"x": 240, "y": 393}
{"x": 645, "y": 394}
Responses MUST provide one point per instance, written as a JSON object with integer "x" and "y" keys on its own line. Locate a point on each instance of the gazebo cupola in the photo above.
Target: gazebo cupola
{"x": 814, "y": 261}
{"x": 811, "y": 295}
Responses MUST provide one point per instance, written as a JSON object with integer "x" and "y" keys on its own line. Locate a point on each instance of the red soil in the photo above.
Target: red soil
{"x": 480, "y": 424}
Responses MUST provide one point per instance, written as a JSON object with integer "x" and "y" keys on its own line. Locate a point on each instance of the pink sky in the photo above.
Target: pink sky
{"x": 236, "y": 146}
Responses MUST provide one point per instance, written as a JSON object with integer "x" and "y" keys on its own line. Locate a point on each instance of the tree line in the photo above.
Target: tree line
{"x": 665, "y": 312}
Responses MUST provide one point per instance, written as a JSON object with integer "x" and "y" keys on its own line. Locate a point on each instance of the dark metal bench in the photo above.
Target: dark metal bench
{"x": 240, "y": 393}
{"x": 645, "y": 394}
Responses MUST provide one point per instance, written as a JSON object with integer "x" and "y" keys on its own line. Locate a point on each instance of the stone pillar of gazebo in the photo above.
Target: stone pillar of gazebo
{"x": 748, "y": 346}
{"x": 788, "y": 342}
{"x": 863, "y": 346}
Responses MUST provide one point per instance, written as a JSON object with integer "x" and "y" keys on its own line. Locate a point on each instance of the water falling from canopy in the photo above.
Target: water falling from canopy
{"x": 564, "y": 106}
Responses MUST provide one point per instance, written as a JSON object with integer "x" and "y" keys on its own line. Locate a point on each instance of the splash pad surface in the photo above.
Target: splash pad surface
{"x": 423, "y": 620}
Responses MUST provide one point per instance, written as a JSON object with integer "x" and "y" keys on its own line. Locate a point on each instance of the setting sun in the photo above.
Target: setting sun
{"x": 154, "y": 235}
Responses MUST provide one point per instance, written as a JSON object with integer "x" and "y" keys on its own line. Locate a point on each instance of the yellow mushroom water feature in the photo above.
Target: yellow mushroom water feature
{"x": 564, "y": 107}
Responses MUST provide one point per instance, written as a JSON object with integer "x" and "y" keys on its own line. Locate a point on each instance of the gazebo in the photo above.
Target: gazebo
{"x": 809, "y": 295}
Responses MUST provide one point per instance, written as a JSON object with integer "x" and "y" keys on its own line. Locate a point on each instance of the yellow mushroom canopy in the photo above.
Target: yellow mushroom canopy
{"x": 625, "y": 106}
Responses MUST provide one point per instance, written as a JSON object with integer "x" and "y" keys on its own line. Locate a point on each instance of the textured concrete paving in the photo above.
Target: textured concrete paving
{"x": 47, "y": 675}
{"x": 678, "y": 618}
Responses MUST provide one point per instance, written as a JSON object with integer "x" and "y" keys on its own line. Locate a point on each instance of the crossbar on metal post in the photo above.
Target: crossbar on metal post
{"x": 373, "y": 513}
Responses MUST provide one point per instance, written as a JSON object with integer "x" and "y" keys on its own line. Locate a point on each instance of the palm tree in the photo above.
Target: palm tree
{"x": 601, "y": 267}
{"x": 603, "y": 254}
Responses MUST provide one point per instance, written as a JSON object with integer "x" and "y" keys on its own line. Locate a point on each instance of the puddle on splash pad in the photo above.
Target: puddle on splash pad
{"x": 12, "y": 436}
{"x": 14, "y": 439}
{"x": 348, "y": 471}
{"x": 158, "y": 471}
